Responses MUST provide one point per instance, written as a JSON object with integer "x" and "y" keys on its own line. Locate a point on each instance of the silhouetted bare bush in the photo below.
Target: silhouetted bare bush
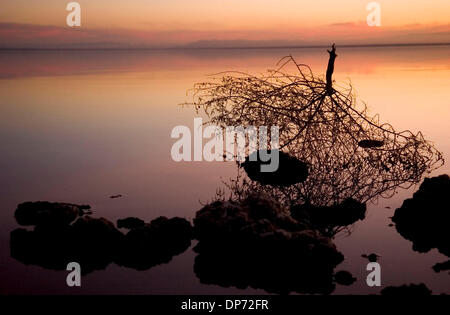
{"x": 349, "y": 153}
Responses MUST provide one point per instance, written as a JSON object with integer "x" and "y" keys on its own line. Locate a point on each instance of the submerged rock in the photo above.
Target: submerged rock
{"x": 155, "y": 243}
{"x": 442, "y": 266}
{"x": 90, "y": 242}
{"x": 411, "y": 289}
{"x": 97, "y": 242}
{"x": 34, "y": 213}
{"x": 93, "y": 242}
{"x": 255, "y": 214}
{"x": 370, "y": 143}
{"x": 424, "y": 218}
{"x": 290, "y": 169}
{"x": 371, "y": 257}
{"x": 327, "y": 218}
{"x": 48, "y": 247}
{"x": 256, "y": 243}
{"x": 344, "y": 278}
{"x": 130, "y": 223}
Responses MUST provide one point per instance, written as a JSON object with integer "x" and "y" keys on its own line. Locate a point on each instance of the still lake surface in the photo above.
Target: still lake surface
{"x": 80, "y": 126}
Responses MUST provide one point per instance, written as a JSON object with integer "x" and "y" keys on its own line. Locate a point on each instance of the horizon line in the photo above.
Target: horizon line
{"x": 223, "y": 48}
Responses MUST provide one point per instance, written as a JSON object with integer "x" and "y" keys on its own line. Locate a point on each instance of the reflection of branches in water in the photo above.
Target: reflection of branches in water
{"x": 350, "y": 153}
{"x": 329, "y": 220}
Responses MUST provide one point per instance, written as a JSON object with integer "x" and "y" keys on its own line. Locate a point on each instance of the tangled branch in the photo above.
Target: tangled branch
{"x": 349, "y": 153}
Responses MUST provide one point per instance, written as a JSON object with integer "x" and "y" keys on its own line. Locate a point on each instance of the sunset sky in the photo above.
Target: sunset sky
{"x": 168, "y": 23}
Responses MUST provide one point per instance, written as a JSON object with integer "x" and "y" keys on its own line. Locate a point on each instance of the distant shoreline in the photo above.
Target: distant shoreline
{"x": 225, "y": 48}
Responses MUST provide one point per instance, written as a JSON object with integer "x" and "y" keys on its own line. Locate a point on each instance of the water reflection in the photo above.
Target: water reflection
{"x": 158, "y": 191}
{"x": 274, "y": 230}
{"x": 348, "y": 153}
{"x": 334, "y": 156}
{"x": 62, "y": 233}
{"x": 407, "y": 290}
{"x": 423, "y": 219}
{"x": 256, "y": 243}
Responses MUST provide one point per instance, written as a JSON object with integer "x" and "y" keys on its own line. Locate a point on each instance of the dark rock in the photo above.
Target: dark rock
{"x": 424, "y": 218}
{"x": 91, "y": 230}
{"x": 344, "y": 278}
{"x": 442, "y": 266}
{"x": 96, "y": 242}
{"x": 34, "y": 213}
{"x": 92, "y": 242}
{"x": 130, "y": 223}
{"x": 290, "y": 170}
{"x": 410, "y": 290}
{"x": 371, "y": 257}
{"x": 370, "y": 144}
{"x": 326, "y": 219}
{"x": 48, "y": 246}
{"x": 155, "y": 243}
{"x": 256, "y": 243}
{"x": 255, "y": 214}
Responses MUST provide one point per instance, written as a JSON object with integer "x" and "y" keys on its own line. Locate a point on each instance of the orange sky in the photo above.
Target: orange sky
{"x": 162, "y": 23}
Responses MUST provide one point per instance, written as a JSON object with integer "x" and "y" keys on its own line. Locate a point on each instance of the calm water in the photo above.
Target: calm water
{"x": 81, "y": 126}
